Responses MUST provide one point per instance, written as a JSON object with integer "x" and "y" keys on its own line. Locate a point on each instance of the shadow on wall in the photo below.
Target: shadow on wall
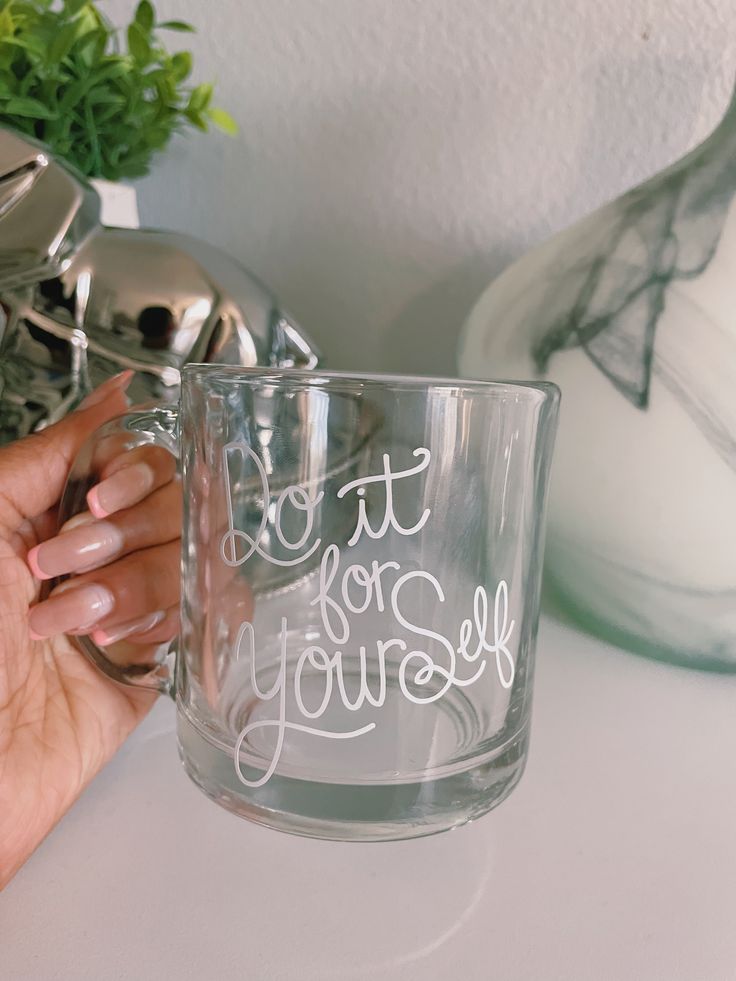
{"x": 424, "y": 338}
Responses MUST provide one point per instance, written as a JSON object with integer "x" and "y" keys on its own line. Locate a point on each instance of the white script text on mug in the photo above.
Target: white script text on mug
{"x": 472, "y": 641}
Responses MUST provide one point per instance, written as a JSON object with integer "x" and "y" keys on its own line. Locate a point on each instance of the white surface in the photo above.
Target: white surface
{"x": 118, "y": 203}
{"x": 614, "y": 860}
{"x": 396, "y": 154}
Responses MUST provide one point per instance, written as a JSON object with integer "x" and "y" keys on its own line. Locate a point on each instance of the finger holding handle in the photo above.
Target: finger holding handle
{"x": 120, "y": 522}
{"x": 85, "y": 543}
{"x": 139, "y": 585}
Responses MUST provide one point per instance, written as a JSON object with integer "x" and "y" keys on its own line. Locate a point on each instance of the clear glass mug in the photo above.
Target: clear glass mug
{"x": 360, "y": 572}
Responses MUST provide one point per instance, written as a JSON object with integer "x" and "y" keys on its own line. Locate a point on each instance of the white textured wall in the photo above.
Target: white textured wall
{"x": 396, "y": 154}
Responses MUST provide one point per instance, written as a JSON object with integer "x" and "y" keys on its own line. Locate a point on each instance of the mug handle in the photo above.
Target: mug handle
{"x": 147, "y": 425}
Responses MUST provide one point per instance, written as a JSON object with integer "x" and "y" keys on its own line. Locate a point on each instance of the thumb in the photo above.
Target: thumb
{"x": 34, "y": 469}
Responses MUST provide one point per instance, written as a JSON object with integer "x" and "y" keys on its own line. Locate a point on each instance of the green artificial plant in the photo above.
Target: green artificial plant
{"x": 66, "y": 80}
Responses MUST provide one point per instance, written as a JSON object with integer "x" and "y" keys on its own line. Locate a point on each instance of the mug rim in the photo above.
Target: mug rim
{"x": 319, "y": 377}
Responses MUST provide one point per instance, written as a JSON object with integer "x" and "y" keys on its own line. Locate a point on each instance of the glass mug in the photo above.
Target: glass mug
{"x": 360, "y": 577}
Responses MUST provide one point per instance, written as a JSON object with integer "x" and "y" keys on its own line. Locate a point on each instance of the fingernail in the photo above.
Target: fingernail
{"x": 83, "y": 518}
{"x": 76, "y": 550}
{"x": 103, "y": 391}
{"x": 123, "y": 489}
{"x": 70, "y": 607}
{"x": 122, "y": 630}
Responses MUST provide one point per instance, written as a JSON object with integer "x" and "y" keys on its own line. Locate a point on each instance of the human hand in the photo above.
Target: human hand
{"x": 60, "y": 718}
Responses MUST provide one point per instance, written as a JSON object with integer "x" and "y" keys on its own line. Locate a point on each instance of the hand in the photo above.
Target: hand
{"x": 60, "y": 718}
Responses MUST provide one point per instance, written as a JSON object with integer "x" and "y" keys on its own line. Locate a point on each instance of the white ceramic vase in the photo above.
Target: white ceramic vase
{"x": 631, "y": 313}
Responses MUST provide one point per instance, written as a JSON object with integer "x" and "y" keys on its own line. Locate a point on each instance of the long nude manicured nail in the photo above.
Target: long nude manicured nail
{"x": 83, "y": 518}
{"x": 70, "y": 608}
{"x": 123, "y": 489}
{"x": 77, "y": 550}
{"x": 103, "y": 391}
{"x": 121, "y": 630}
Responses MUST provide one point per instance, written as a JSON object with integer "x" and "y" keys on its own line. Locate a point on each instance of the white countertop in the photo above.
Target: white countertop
{"x": 615, "y": 858}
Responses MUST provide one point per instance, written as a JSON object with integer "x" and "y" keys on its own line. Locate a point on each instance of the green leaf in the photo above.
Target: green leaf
{"x": 138, "y": 44}
{"x": 61, "y": 44}
{"x": 26, "y": 106}
{"x": 223, "y": 120}
{"x": 91, "y": 47}
{"x": 88, "y": 19}
{"x": 200, "y": 97}
{"x": 196, "y": 119}
{"x": 177, "y": 25}
{"x": 158, "y": 138}
{"x": 64, "y": 79}
{"x": 107, "y": 112}
{"x": 166, "y": 92}
{"x": 7, "y": 24}
{"x": 103, "y": 97}
{"x": 181, "y": 65}
{"x": 74, "y": 93}
{"x": 114, "y": 67}
{"x": 144, "y": 16}
{"x": 34, "y": 45}
{"x": 135, "y": 164}
{"x": 30, "y": 10}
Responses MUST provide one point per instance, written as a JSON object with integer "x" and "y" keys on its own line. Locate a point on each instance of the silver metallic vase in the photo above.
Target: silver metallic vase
{"x": 79, "y": 302}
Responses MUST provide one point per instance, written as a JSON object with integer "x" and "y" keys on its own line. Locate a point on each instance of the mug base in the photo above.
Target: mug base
{"x": 349, "y": 811}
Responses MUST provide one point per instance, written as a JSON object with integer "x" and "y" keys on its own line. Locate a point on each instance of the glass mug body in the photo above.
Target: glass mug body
{"x": 361, "y": 567}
